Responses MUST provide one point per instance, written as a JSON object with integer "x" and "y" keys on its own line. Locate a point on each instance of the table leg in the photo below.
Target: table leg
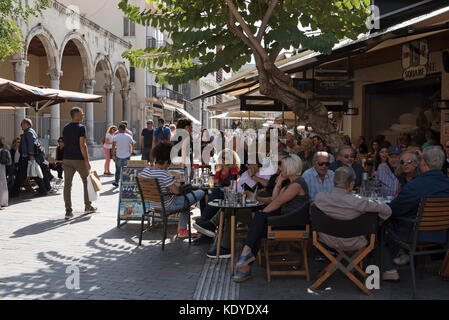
{"x": 232, "y": 241}
{"x": 220, "y": 234}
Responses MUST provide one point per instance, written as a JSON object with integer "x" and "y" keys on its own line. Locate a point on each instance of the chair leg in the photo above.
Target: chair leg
{"x": 306, "y": 262}
{"x": 190, "y": 229}
{"x": 164, "y": 236}
{"x": 412, "y": 268}
{"x": 267, "y": 259}
{"x": 141, "y": 229}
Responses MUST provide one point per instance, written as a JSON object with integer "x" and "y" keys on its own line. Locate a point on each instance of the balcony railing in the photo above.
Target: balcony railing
{"x": 170, "y": 94}
{"x": 153, "y": 43}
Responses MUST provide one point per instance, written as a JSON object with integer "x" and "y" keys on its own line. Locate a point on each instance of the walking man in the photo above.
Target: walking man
{"x": 76, "y": 159}
{"x": 161, "y": 133}
{"x": 146, "y": 141}
{"x": 29, "y": 150}
{"x": 122, "y": 148}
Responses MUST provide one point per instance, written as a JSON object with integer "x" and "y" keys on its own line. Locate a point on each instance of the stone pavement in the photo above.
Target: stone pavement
{"x": 38, "y": 248}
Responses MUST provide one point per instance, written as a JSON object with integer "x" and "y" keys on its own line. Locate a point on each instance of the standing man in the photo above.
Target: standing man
{"x": 122, "y": 148}
{"x": 161, "y": 133}
{"x": 29, "y": 145}
{"x": 319, "y": 178}
{"x": 146, "y": 141}
{"x": 76, "y": 159}
{"x": 345, "y": 157}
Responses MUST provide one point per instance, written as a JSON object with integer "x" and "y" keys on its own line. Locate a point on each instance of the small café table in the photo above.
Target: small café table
{"x": 233, "y": 209}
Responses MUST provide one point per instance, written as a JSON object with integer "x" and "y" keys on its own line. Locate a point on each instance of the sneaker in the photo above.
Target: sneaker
{"x": 115, "y": 184}
{"x": 184, "y": 233}
{"x": 90, "y": 210}
{"x": 68, "y": 215}
{"x": 402, "y": 259}
{"x": 224, "y": 253}
{"x": 205, "y": 227}
{"x": 391, "y": 275}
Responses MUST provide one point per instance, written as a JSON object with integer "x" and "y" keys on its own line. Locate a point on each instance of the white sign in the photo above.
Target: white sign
{"x": 415, "y": 56}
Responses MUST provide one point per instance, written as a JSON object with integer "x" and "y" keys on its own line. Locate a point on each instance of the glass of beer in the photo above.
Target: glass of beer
{"x": 211, "y": 181}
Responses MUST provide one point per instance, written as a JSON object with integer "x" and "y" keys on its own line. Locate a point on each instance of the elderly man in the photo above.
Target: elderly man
{"x": 292, "y": 146}
{"x": 345, "y": 157}
{"x": 431, "y": 183}
{"x": 342, "y": 204}
{"x": 319, "y": 178}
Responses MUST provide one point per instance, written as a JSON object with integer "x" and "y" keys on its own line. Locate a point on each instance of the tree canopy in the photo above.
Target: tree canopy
{"x": 208, "y": 35}
{"x": 11, "y": 13}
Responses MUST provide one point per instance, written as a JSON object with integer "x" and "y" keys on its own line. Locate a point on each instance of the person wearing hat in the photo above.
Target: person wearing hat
{"x": 385, "y": 178}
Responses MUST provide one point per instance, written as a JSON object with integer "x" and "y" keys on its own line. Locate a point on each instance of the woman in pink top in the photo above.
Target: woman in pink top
{"x": 107, "y": 146}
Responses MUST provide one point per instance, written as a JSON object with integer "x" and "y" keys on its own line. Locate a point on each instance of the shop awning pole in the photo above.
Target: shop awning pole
{"x": 249, "y": 119}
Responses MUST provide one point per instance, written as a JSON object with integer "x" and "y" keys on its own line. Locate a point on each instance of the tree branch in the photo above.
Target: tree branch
{"x": 255, "y": 44}
{"x": 275, "y": 52}
{"x": 266, "y": 19}
{"x": 238, "y": 33}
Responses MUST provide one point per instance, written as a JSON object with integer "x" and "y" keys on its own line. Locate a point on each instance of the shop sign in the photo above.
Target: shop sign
{"x": 415, "y": 56}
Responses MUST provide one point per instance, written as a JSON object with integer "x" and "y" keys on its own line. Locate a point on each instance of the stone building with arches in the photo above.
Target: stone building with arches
{"x": 66, "y": 50}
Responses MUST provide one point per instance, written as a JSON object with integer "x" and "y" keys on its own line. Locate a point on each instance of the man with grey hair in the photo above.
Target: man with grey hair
{"x": 345, "y": 157}
{"x": 319, "y": 178}
{"x": 342, "y": 204}
{"x": 431, "y": 183}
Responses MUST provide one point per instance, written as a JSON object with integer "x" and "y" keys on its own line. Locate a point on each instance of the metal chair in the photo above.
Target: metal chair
{"x": 292, "y": 229}
{"x": 432, "y": 215}
{"x": 150, "y": 190}
{"x": 365, "y": 224}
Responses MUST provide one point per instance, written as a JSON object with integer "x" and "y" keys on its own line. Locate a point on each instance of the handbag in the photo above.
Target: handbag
{"x": 185, "y": 189}
{"x": 96, "y": 183}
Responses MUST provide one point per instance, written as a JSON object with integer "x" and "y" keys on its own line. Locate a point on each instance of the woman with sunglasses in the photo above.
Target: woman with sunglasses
{"x": 107, "y": 147}
{"x": 408, "y": 168}
{"x": 385, "y": 179}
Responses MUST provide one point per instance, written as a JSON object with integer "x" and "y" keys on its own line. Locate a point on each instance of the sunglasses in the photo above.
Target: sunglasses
{"x": 327, "y": 164}
{"x": 402, "y": 162}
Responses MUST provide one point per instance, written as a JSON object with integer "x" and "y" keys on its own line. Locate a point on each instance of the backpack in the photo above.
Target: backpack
{"x": 160, "y": 134}
{"x": 5, "y": 157}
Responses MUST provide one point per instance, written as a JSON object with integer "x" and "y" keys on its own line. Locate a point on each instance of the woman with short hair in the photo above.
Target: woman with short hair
{"x": 286, "y": 200}
{"x": 174, "y": 200}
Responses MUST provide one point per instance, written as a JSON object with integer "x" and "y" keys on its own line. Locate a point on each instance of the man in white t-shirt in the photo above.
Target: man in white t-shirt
{"x": 122, "y": 148}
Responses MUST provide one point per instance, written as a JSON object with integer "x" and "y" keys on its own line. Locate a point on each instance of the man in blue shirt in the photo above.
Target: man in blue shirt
{"x": 345, "y": 157}
{"x": 319, "y": 178}
{"x": 161, "y": 133}
{"x": 431, "y": 183}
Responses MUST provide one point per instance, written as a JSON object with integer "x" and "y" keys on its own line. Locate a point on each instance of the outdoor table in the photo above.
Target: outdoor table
{"x": 234, "y": 208}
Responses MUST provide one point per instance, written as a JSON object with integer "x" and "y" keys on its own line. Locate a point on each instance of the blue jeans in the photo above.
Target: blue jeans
{"x": 210, "y": 211}
{"x": 119, "y": 163}
{"x": 178, "y": 203}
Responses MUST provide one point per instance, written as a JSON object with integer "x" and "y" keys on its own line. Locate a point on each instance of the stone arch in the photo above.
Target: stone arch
{"x": 49, "y": 43}
{"x": 84, "y": 50}
{"x": 106, "y": 66}
{"x": 121, "y": 72}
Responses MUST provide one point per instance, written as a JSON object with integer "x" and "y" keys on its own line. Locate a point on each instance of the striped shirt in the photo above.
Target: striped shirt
{"x": 389, "y": 184}
{"x": 315, "y": 184}
{"x": 165, "y": 180}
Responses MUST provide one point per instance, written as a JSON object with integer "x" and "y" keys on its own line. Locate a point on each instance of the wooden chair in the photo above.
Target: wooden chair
{"x": 432, "y": 215}
{"x": 150, "y": 191}
{"x": 366, "y": 224}
{"x": 292, "y": 229}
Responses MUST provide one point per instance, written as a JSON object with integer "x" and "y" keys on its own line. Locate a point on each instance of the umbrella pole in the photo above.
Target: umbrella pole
{"x": 36, "y": 118}
{"x": 249, "y": 119}
{"x": 296, "y": 128}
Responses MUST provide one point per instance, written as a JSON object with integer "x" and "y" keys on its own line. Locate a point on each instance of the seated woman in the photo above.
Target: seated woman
{"x": 57, "y": 165}
{"x": 175, "y": 201}
{"x": 385, "y": 178}
{"x": 285, "y": 200}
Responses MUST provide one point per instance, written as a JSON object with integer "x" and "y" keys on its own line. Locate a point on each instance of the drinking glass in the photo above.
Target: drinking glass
{"x": 211, "y": 181}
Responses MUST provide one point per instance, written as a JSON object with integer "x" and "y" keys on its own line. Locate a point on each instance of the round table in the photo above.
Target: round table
{"x": 233, "y": 209}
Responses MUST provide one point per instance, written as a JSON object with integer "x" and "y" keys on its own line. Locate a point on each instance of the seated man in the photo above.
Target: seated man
{"x": 345, "y": 157}
{"x": 57, "y": 165}
{"x": 431, "y": 183}
{"x": 319, "y": 178}
{"x": 342, "y": 204}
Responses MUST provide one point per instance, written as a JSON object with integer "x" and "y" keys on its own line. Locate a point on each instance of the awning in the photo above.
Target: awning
{"x": 239, "y": 115}
{"x": 171, "y": 107}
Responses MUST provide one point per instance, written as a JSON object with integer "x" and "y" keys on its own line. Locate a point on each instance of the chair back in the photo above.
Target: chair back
{"x": 150, "y": 191}
{"x": 365, "y": 224}
{"x": 298, "y": 218}
{"x": 433, "y": 214}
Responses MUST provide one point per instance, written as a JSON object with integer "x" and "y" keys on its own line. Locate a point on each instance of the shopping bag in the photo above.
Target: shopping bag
{"x": 34, "y": 170}
{"x": 93, "y": 176}
{"x": 93, "y": 195}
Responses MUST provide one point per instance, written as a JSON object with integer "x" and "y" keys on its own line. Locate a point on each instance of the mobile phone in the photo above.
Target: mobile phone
{"x": 247, "y": 187}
